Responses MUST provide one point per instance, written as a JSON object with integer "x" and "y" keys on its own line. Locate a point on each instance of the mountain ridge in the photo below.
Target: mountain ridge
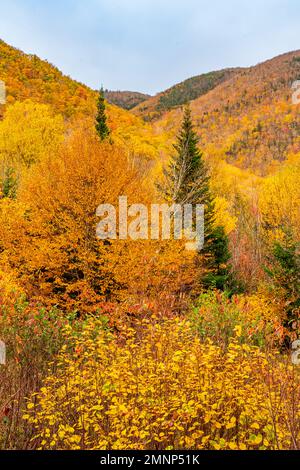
{"x": 248, "y": 120}
{"x": 182, "y": 92}
{"x": 125, "y": 99}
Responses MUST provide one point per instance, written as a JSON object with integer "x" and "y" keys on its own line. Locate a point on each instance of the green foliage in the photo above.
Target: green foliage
{"x": 192, "y": 88}
{"x": 186, "y": 178}
{"x": 285, "y": 275}
{"x": 33, "y": 334}
{"x": 9, "y": 184}
{"x": 101, "y": 119}
{"x": 187, "y": 182}
{"x": 217, "y": 256}
{"x": 217, "y": 316}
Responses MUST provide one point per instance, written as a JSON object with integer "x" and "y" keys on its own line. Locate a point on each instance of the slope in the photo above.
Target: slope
{"x": 249, "y": 120}
{"x": 179, "y": 94}
{"x": 26, "y": 77}
{"x": 125, "y": 99}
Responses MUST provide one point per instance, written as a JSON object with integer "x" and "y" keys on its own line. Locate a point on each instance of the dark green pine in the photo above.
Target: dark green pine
{"x": 101, "y": 119}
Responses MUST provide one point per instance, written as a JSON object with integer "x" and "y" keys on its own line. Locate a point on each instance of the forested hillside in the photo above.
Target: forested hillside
{"x": 183, "y": 92}
{"x": 125, "y": 99}
{"x": 249, "y": 120}
{"x": 28, "y": 77}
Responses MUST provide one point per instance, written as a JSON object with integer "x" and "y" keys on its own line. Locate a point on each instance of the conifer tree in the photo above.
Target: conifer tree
{"x": 285, "y": 275}
{"x": 101, "y": 119}
{"x": 187, "y": 181}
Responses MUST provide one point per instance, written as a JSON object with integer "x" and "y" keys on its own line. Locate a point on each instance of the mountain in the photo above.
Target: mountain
{"x": 26, "y": 76}
{"x": 125, "y": 99}
{"x": 243, "y": 116}
{"x": 248, "y": 120}
{"x": 179, "y": 94}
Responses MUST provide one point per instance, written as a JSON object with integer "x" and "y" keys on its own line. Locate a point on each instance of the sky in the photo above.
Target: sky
{"x": 149, "y": 45}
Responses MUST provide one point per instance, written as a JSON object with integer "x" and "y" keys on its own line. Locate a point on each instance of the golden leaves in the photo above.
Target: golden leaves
{"x": 118, "y": 396}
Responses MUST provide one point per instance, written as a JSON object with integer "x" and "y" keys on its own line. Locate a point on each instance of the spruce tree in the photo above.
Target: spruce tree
{"x": 101, "y": 125}
{"x": 186, "y": 180}
{"x": 284, "y": 272}
{"x": 216, "y": 254}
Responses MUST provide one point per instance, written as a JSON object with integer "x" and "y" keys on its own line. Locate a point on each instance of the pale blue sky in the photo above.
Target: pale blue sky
{"x": 149, "y": 45}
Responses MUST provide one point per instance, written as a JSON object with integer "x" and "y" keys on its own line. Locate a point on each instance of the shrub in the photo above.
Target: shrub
{"x": 32, "y": 336}
{"x": 216, "y": 316}
{"x": 159, "y": 387}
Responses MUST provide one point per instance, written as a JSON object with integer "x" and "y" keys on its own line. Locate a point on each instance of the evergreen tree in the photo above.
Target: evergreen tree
{"x": 216, "y": 257}
{"x": 186, "y": 178}
{"x": 9, "y": 184}
{"x": 187, "y": 181}
{"x": 285, "y": 274}
{"x": 101, "y": 125}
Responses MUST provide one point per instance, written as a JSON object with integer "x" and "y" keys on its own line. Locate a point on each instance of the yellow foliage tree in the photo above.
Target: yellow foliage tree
{"x": 27, "y": 133}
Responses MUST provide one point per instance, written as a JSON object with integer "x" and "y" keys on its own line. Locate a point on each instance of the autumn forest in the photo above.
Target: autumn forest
{"x": 140, "y": 344}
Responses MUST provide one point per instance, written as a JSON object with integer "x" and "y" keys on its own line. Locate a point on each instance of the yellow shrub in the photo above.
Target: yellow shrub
{"x": 28, "y": 133}
{"x": 159, "y": 387}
